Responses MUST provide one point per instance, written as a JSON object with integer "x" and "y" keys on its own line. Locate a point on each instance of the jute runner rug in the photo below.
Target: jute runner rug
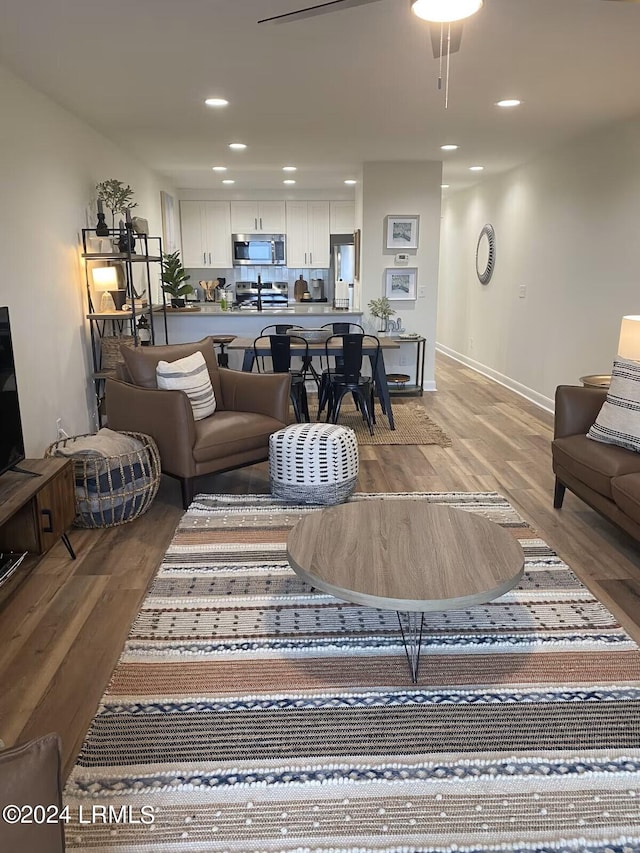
{"x": 249, "y": 713}
{"x": 413, "y": 425}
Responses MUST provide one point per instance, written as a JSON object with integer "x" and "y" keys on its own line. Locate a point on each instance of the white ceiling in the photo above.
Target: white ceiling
{"x": 325, "y": 93}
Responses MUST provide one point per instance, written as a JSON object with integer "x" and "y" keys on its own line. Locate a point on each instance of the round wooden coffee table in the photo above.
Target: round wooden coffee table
{"x": 406, "y": 555}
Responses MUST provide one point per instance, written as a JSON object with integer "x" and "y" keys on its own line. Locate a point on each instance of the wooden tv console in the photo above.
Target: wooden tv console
{"x": 35, "y": 512}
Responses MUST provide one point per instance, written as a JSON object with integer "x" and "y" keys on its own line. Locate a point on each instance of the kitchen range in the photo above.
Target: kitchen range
{"x": 267, "y": 293}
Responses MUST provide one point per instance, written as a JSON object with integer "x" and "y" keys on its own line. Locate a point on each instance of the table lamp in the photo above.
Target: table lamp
{"x": 105, "y": 279}
{"x": 629, "y": 343}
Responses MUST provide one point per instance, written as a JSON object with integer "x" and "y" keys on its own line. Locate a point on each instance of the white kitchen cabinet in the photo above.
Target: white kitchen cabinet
{"x": 308, "y": 234}
{"x": 258, "y": 217}
{"x": 342, "y": 217}
{"x": 206, "y": 234}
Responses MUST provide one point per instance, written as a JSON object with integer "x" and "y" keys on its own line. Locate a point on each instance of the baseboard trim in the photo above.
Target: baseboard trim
{"x": 529, "y": 394}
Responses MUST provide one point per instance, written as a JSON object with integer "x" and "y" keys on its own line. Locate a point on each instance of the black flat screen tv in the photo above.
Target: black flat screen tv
{"x": 11, "y": 441}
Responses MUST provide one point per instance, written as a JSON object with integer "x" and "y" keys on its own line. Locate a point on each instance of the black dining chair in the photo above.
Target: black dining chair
{"x": 283, "y": 329}
{"x": 280, "y": 351}
{"x": 350, "y": 378}
{"x": 339, "y": 328}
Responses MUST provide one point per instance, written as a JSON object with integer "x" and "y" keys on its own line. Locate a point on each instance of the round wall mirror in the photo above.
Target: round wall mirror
{"x": 486, "y": 254}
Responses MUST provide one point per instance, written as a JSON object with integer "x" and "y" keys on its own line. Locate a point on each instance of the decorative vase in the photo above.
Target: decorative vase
{"x": 178, "y": 303}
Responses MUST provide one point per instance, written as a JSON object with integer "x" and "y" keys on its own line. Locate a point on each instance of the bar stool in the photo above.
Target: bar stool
{"x": 222, "y": 341}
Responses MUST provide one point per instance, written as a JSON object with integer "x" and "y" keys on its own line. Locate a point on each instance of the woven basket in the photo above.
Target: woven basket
{"x": 313, "y": 463}
{"x": 110, "y": 350}
{"x": 113, "y": 490}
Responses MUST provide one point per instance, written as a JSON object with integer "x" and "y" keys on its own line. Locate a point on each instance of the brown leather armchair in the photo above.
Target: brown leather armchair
{"x": 250, "y": 407}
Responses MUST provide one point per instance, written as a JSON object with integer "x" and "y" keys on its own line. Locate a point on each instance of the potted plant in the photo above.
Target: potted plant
{"x": 116, "y": 196}
{"x": 381, "y": 308}
{"x": 174, "y": 278}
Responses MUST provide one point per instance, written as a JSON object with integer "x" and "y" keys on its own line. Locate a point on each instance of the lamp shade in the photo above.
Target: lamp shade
{"x": 105, "y": 278}
{"x": 629, "y": 343}
{"x": 445, "y": 11}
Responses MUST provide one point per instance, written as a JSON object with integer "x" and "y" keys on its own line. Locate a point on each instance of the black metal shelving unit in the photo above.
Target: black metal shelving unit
{"x": 412, "y": 389}
{"x": 147, "y": 253}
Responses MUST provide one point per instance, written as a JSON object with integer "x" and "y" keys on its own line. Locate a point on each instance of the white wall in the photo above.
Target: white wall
{"x": 568, "y": 228}
{"x": 403, "y": 189}
{"x": 50, "y": 162}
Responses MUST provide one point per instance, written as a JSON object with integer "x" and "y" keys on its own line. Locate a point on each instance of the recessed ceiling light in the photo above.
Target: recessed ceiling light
{"x": 508, "y": 102}
{"x": 219, "y": 168}
{"x": 350, "y": 182}
{"x": 449, "y": 147}
{"x": 289, "y": 181}
{"x": 228, "y": 181}
{"x": 444, "y": 186}
{"x": 476, "y": 168}
{"x": 443, "y": 11}
{"x": 217, "y": 102}
{"x": 237, "y": 146}
{"x": 289, "y": 168}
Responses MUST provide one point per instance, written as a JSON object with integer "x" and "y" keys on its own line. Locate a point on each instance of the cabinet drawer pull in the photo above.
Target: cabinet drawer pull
{"x": 311, "y": 257}
{"x": 256, "y": 223}
{"x": 209, "y": 257}
{"x": 261, "y": 223}
{"x": 204, "y": 257}
{"x": 47, "y": 514}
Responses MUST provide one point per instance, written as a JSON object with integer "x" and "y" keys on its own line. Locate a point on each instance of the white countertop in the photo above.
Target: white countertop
{"x": 318, "y": 309}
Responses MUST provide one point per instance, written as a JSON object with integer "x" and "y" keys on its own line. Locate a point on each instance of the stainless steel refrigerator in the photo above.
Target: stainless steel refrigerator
{"x": 342, "y": 267}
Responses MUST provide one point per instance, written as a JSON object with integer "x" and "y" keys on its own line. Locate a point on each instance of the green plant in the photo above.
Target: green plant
{"x": 116, "y": 196}
{"x": 174, "y": 276}
{"x": 381, "y": 308}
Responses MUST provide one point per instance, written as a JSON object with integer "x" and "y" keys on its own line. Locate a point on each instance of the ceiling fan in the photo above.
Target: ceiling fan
{"x": 437, "y": 40}
{"x": 441, "y": 42}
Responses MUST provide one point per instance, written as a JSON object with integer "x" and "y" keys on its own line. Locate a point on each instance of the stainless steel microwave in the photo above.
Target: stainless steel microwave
{"x": 259, "y": 249}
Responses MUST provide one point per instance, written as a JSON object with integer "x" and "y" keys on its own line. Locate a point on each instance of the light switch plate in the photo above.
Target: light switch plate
{"x": 522, "y": 291}
{"x": 422, "y": 293}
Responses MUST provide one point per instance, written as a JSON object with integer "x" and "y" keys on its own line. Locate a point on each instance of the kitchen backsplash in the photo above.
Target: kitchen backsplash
{"x": 267, "y": 274}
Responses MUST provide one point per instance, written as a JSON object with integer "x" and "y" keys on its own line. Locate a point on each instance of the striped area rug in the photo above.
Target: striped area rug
{"x": 249, "y": 713}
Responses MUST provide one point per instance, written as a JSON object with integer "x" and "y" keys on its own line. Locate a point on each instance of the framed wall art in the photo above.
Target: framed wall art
{"x": 402, "y": 232}
{"x": 401, "y": 283}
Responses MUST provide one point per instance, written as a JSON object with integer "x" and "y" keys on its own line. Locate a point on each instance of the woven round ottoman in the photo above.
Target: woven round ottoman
{"x": 313, "y": 463}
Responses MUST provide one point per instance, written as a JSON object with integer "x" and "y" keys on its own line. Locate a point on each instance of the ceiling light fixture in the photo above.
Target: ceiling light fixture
{"x": 444, "y": 186}
{"x": 476, "y": 168}
{"x": 350, "y": 182}
{"x": 217, "y": 102}
{"x": 237, "y": 146}
{"x": 289, "y": 168}
{"x": 228, "y": 181}
{"x": 508, "y": 102}
{"x": 289, "y": 181}
{"x": 449, "y": 147}
{"x": 445, "y": 11}
{"x": 219, "y": 168}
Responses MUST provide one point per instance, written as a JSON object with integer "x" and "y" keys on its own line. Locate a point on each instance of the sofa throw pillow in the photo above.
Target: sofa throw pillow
{"x": 190, "y": 375}
{"x": 618, "y": 421}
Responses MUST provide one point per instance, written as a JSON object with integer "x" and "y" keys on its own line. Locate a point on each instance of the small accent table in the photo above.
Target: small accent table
{"x": 416, "y": 557}
{"x": 596, "y": 380}
{"x": 406, "y": 388}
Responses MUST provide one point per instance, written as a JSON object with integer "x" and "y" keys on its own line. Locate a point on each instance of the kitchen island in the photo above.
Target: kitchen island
{"x": 187, "y": 326}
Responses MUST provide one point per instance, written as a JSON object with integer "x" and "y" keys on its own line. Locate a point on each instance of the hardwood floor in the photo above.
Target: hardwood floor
{"x": 63, "y": 630}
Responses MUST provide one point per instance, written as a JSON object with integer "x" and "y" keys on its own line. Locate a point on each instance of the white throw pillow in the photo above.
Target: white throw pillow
{"x": 618, "y": 421}
{"x": 190, "y": 375}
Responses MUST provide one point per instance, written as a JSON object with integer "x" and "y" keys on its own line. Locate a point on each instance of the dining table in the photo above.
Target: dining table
{"x": 316, "y": 349}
